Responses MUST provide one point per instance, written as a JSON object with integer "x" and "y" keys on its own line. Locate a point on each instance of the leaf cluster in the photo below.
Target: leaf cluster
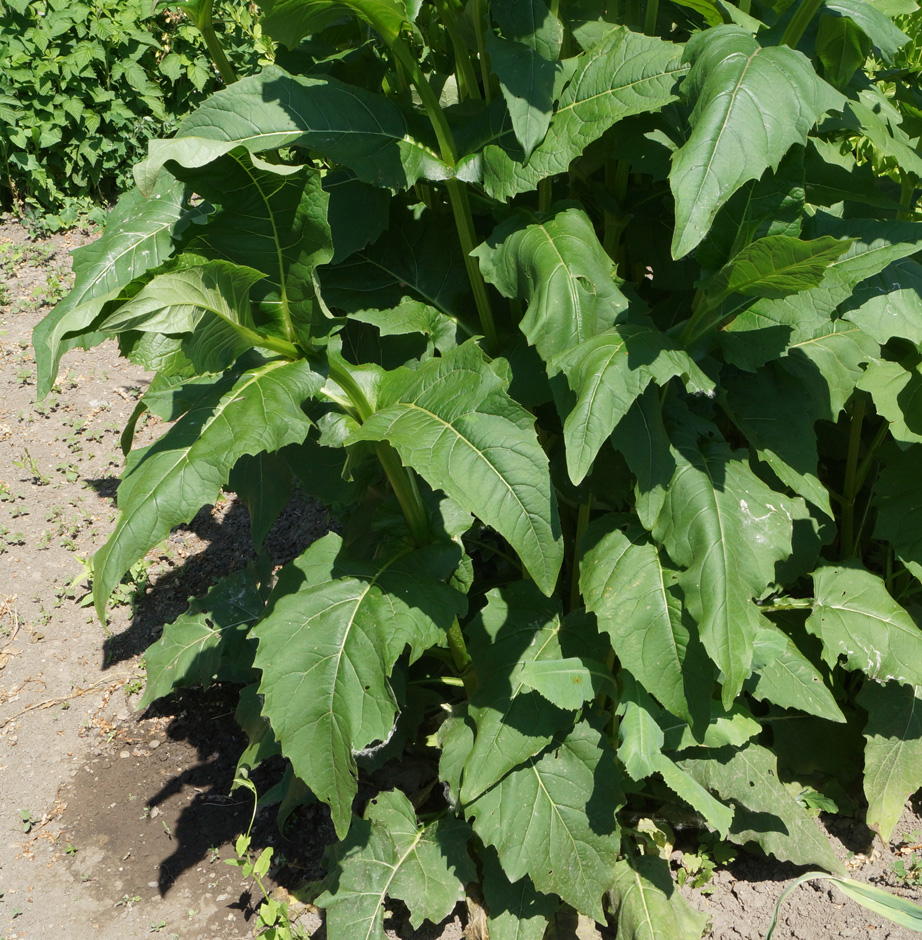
{"x": 600, "y": 339}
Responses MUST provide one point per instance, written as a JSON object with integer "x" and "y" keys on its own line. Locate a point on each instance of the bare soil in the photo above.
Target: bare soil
{"x": 116, "y": 823}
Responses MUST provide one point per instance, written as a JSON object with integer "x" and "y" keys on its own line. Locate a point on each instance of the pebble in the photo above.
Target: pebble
{"x": 154, "y": 744}
{"x": 125, "y": 754}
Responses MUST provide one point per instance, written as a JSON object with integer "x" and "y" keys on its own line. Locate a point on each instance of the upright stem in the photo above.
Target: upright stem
{"x": 907, "y": 191}
{"x": 850, "y": 489}
{"x": 482, "y": 50}
{"x": 461, "y": 658}
{"x": 216, "y": 52}
{"x": 649, "y": 23}
{"x": 582, "y": 523}
{"x": 800, "y": 21}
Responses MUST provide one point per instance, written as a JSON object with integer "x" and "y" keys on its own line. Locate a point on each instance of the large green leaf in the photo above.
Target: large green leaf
{"x": 893, "y": 755}
{"x": 875, "y": 24}
{"x": 168, "y": 482}
{"x": 647, "y": 905}
{"x": 728, "y": 529}
{"x": 641, "y": 752}
{"x": 855, "y": 617}
{"x": 208, "y": 642}
{"x": 532, "y": 23}
{"x": 553, "y": 819}
{"x": 555, "y": 263}
{"x": 389, "y": 855}
{"x": 842, "y": 47}
{"x": 453, "y": 422}
{"x": 784, "y": 676}
{"x": 766, "y": 813}
{"x": 138, "y": 237}
{"x": 264, "y": 483}
{"x": 270, "y": 220}
{"x": 751, "y": 105}
{"x": 608, "y": 372}
{"x": 289, "y": 21}
{"x": 890, "y": 303}
{"x": 515, "y": 911}
{"x": 513, "y": 722}
{"x": 782, "y": 435}
{"x": 896, "y": 388}
{"x": 626, "y": 73}
{"x": 333, "y": 630}
{"x": 365, "y": 132}
{"x": 633, "y": 591}
{"x": 898, "y": 500}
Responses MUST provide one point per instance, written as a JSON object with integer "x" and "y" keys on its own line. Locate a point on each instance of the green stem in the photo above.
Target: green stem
{"x": 800, "y": 21}
{"x": 545, "y": 194}
{"x": 467, "y": 79}
{"x": 744, "y": 6}
{"x": 216, "y": 52}
{"x": 582, "y": 523}
{"x": 907, "y": 191}
{"x": 482, "y": 50}
{"x": 649, "y": 23}
{"x": 401, "y": 479}
{"x": 457, "y": 192}
{"x": 865, "y": 466}
{"x": 850, "y": 489}
{"x": 617, "y": 175}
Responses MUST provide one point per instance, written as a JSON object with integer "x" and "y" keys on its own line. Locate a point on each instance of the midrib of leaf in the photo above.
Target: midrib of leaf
{"x": 715, "y": 144}
{"x": 610, "y": 91}
{"x": 199, "y": 641}
{"x": 900, "y": 740}
{"x": 431, "y": 300}
{"x": 393, "y": 869}
{"x": 871, "y": 615}
{"x": 560, "y": 819}
{"x": 817, "y": 339}
{"x": 571, "y": 288}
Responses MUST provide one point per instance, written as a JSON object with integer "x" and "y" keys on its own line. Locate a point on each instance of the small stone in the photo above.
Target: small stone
{"x": 125, "y": 754}
{"x": 155, "y": 743}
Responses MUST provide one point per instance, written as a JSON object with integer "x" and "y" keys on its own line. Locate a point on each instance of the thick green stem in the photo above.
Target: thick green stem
{"x": 457, "y": 192}
{"x": 865, "y": 465}
{"x": 482, "y": 50}
{"x": 850, "y": 489}
{"x": 216, "y": 52}
{"x": 907, "y": 191}
{"x": 649, "y": 22}
{"x": 582, "y": 523}
{"x": 401, "y": 479}
{"x": 467, "y": 79}
{"x": 617, "y": 176}
{"x": 800, "y": 21}
{"x": 461, "y": 658}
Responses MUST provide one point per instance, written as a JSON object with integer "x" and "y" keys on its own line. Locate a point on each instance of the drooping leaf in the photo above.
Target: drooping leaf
{"x": 452, "y": 421}
{"x": 735, "y": 727}
{"x": 530, "y": 22}
{"x": 856, "y": 617}
{"x": 766, "y": 813}
{"x": 890, "y": 303}
{"x": 893, "y": 755}
{"x": 333, "y": 629}
{"x": 388, "y": 855}
{"x": 263, "y": 482}
{"x": 365, "y": 132}
{"x": 751, "y": 105}
{"x": 784, "y": 676}
{"x": 875, "y": 24}
{"x": 553, "y": 819}
{"x": 261, "y": 742}
{"x": 513, "y": 722}
{"x": 168, "y": 482}
{"x": 556, "y": 263}
{"x": 641, "y": 752}
{"x": 632, "y": 590}
{"x": 208, "y": 642}
{"x": 607, "y": 373}
{"x": 843, "y": 47}
{"x": 626, "y": 73}
{"x": 104, "y": 266}
{"x": 728, "y": 530}
{"x": 898, "y": 500}
{"x": 647, "y": 905}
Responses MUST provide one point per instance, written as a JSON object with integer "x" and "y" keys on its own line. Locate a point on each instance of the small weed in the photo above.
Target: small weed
{"x": 27, "y": 821}
{"x": 71, "y": 850}
{"x": 133, "y": 686}
{"x": 156, "y": 928}
{"x": 127, "y": 900}
{"x": 28, "y": 463}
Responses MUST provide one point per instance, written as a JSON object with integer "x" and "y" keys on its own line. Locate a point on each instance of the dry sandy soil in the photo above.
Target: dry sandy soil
{"x": 115, "y": 823}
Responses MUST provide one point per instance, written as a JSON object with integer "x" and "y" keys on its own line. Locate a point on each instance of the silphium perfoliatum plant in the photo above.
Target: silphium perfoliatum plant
{"x": 597, "y": 328}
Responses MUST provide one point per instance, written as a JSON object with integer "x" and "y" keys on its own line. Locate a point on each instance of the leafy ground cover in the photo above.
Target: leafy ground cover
{"x": 598, "y": 335}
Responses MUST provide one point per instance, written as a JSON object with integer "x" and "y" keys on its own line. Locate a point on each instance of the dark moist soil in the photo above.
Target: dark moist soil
{"x": 116, "y": 823}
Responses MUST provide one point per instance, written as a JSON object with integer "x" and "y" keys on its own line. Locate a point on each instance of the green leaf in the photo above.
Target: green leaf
{"x": 898, "y": 500}
{"x": 261, "y": 743}
{"x": 751, "y": 105}
{"x": 895, "y": 388}
{"x": 646, "y": 904}
{"x": 333, "y": 630}
{"x": 735, "y": 727}
{"x": 777, "y": 266}
{"x": 890, "y": 303}
{"x": 556, "y": 263}
{"x": 452, "y": 421}
{"x": 138, "y": 237}
{"x": 568, "y": 682}
{"x": 855, "y": 617}
{"x": 728, "y": 529}
{"x": 876, "y": 25}
{"x": 876, "y": 119}
{"x": 842, "y": 47}
{"x": 626, "y": 73}
{"x": 208, "y": 642}
{"x": 783, "y": 676}
{"x": 513, "y": 723}
{"x": 766, "y": 813}
{"x": 530, "y": 22}
{"x": 389, "y": 855}
{"x": 365, "y": 132}
{"x": 514, "y": 911}
{"x": 527, "y": 81}
{"x": 641, "y": 752}
{"x": 633, "y": 592}
{"x": 168, "y": 482}
{"x": 608, "y": 372}
{"x": 553, "y": 819}
{"x": 289, "y": 21}
{"x": 274, "y": 222}
{"x": 263, "y": 482}
{"x": 893, "y": 755}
